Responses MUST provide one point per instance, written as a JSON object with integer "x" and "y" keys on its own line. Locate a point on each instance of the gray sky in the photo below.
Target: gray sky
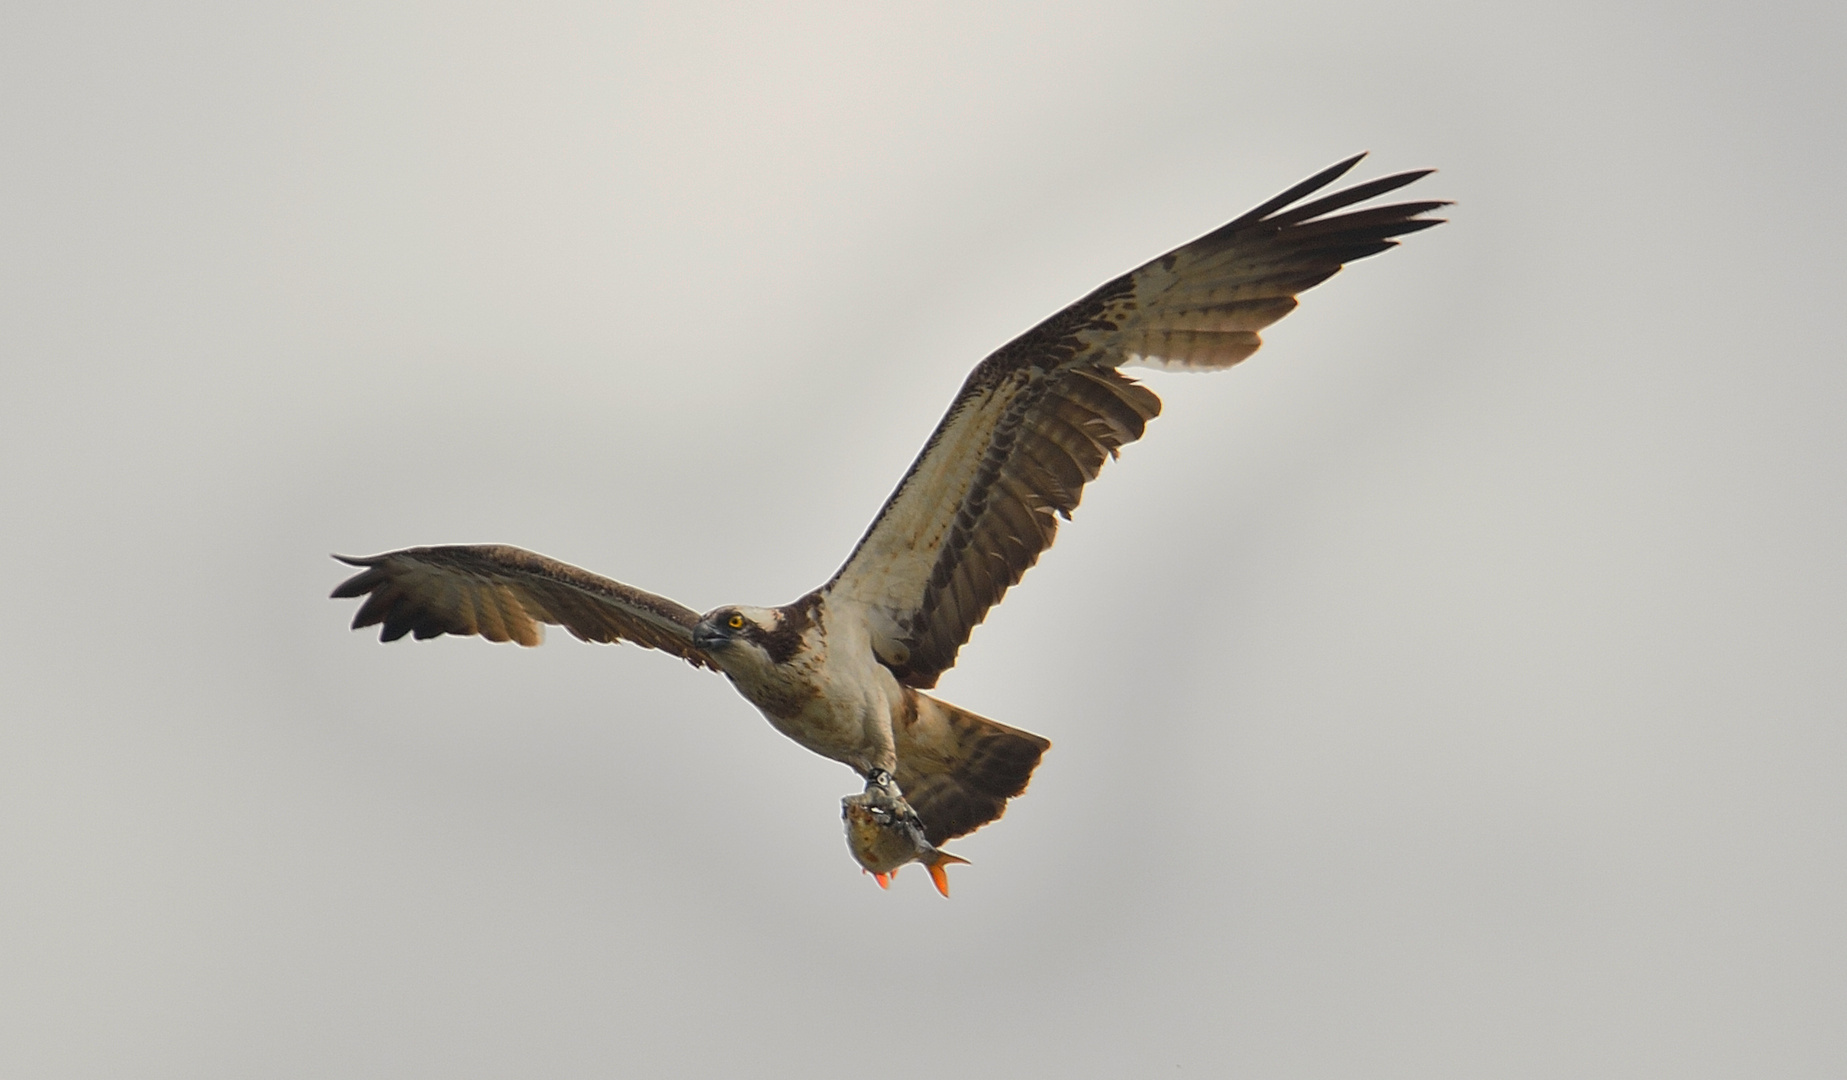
{"x": 1454, "y": 690}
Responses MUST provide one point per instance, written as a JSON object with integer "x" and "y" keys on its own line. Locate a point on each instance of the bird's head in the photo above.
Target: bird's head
{"x": 726, "y": 630}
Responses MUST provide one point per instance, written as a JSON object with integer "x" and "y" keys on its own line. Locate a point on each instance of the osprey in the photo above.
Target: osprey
{"x": 843, "y": 670}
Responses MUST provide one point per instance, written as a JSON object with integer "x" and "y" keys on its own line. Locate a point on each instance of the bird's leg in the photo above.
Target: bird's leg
{"x": 881, "y": 781}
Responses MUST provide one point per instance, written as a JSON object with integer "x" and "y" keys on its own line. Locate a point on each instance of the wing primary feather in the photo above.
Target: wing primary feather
{"x": 505, "y": 594}
{"x": 1312, "y": 184}
{"x": 1342, "y": 240}
{"x": 1375, "y": 215}
{"x": 1358, "y": 193}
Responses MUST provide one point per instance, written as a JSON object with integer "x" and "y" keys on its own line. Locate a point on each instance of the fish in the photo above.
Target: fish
{"x": 884, "y": 833}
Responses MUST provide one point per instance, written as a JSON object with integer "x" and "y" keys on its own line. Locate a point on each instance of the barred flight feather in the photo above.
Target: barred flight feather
{"x": 505, "y": 594}
{"x": 1036, "y": 420}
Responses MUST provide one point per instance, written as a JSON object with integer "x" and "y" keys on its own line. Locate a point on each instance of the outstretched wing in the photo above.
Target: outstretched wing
{"x": 504, "y": 593}
{"x": 1035, "y": 421}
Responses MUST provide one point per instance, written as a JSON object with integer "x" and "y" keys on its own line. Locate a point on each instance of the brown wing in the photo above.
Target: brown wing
{"x": 1035, "y": 421}
{"x": 504, "y": 594}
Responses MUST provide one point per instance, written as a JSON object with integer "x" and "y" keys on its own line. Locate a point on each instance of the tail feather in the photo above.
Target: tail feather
{"x": 957, "y": 769}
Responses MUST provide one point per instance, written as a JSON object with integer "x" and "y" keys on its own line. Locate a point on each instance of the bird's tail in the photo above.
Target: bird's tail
{"x": 957, "y": 769}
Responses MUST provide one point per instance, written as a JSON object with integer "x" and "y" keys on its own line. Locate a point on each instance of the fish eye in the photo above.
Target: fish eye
{"x": 735, "y": 622}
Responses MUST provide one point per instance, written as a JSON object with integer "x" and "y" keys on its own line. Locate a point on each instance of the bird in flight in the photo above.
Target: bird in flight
{"x": 843, "y": 669}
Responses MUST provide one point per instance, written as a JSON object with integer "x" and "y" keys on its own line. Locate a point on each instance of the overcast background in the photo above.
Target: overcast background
{"x": 1454, "y": 690}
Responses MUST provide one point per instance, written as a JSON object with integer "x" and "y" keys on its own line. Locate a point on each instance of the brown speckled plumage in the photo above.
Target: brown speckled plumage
{"x": 504, "y": 593}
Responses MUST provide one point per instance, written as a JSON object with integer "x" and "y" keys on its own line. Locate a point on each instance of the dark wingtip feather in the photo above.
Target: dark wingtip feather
{"x": 1355, "y": 194}
{"x": 1312, "y": 184}
{"x": 1419, "y": 225}
{"x": 357, "y": 585}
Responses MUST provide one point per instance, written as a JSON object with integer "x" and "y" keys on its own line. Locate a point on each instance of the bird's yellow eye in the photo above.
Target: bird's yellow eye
{"x": 735, "y": 622}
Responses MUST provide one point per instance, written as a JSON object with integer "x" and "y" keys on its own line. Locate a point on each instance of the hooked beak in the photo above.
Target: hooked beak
{"x": 707, "y": 637}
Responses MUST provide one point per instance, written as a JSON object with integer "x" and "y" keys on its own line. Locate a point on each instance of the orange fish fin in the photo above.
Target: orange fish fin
{"x": 939, "y": 876}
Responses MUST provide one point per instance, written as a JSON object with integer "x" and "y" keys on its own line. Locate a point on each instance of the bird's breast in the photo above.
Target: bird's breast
{"x": 832, "y": 701}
